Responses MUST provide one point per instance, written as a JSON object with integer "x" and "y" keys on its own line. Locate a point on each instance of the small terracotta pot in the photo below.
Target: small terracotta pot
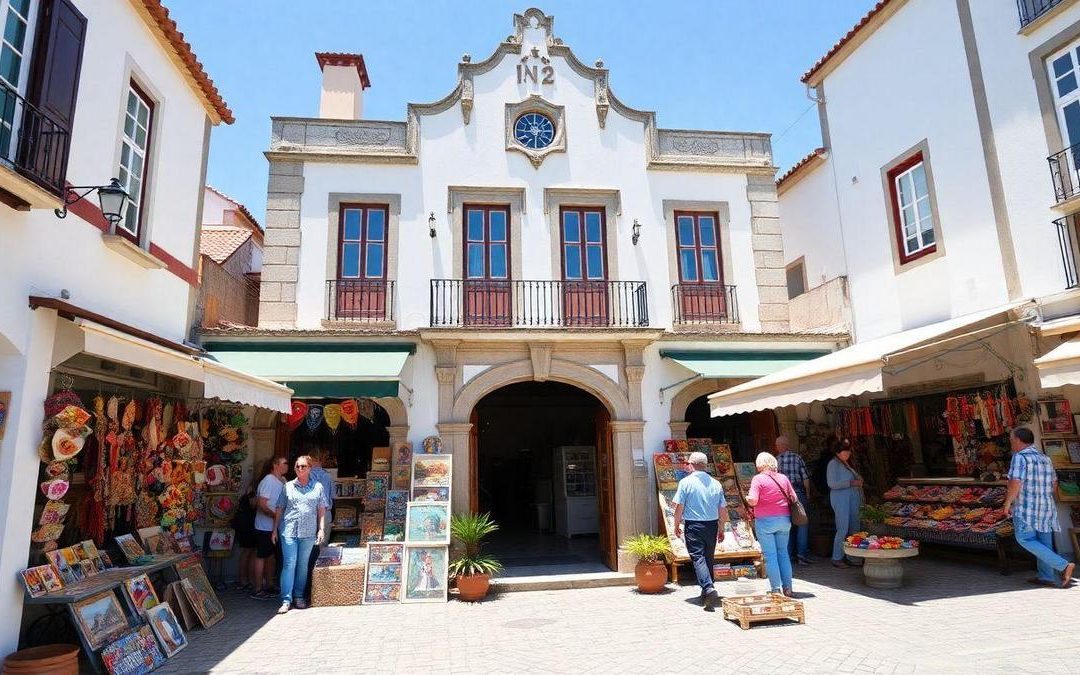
{"x": 651, "y": 577}
{"x": 473, "y": 587}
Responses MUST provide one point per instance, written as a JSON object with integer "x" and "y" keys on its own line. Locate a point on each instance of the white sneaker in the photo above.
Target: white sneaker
{"x": 284, "y": 608}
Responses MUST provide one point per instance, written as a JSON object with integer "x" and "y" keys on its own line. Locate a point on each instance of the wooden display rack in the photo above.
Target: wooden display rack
{"x": 748, "y": 609}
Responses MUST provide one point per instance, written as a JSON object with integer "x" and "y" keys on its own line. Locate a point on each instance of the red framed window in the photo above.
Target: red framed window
{"x": 584, "y": 251}
{"x": 697, "y": 236}
{"x": 487, "y": 242}
{"x": 135, "y": 159}
{"x": 362, "y": 236}
{"x": 909, "y": 200}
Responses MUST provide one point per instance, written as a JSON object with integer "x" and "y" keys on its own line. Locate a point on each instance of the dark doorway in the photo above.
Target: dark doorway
{"x": 540, "y": 454}
{"x": 349, "y": 448}
{"x": 746, "y": 433}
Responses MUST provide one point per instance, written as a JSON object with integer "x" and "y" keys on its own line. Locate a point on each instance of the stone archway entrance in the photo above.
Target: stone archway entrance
{"x": 543, "y": 468}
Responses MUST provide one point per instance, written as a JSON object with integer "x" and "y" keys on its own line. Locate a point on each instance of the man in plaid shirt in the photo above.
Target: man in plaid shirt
{"x": 793, "y": 466}
{"x": 1030, "y": 502}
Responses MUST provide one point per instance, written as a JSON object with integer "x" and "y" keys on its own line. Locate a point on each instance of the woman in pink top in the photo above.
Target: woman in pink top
{"x": 768, "y": 495}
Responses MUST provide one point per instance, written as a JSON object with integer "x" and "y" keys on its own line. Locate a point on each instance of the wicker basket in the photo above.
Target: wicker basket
{"x": 336, "y": 586}
{"x": 750, "y": 609}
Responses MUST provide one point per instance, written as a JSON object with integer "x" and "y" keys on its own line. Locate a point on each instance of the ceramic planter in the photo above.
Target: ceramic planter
{"x": 651, "y": 577}
{"x": 473, "y": 587}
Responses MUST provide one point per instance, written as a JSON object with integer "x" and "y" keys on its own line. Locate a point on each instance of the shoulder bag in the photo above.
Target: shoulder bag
{"x": 798, "y": 513}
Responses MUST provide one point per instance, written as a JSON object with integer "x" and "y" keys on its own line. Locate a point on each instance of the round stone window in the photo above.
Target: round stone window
{"x": 534, "y": 130}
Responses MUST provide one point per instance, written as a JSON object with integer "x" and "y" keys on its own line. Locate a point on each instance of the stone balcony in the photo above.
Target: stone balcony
{"x": 825, "y": 308}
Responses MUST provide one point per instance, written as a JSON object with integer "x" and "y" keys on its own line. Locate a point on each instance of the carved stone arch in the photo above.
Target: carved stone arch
{"x": 395, "y": 410}
{"x": 688, "y": 394}
{"x": 582, "y": 377}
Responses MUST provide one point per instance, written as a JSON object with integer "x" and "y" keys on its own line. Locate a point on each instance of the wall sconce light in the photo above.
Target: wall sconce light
{"x": 636, "y": 228}
{"x": 431, "y": 225}
{"x": 111, "y": 197}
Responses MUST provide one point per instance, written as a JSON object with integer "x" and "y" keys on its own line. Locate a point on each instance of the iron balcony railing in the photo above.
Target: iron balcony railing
{"x": 1063, "y": 172}
{"x": 31, "y": 142}
{"x": 704, "y": 304}
{"x": 538, "y": 304}
{"x": 360, "y": 300}
{"x": 1032, "y": 9}
{"x": 1066, "y": 228}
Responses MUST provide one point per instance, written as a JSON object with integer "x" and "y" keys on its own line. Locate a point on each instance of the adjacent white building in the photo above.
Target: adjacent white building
{"x": 527, "y": 263}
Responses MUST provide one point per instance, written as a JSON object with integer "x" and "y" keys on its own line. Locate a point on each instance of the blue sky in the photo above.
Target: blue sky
{"x": 725, "y": 64}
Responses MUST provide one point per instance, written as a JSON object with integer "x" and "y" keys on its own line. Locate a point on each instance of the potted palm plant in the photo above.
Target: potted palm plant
{"x": 473, "y": 570}
{"x": 651, "y": 551}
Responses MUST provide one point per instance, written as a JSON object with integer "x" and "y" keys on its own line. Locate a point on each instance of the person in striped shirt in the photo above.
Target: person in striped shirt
{"x": 1030, "y": 502}
{"x": 793, "y": 466}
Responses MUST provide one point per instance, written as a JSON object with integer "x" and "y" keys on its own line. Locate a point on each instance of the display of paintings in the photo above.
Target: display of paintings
{"x": 393, "y": 531}
{"x": 665, "y": 470}
{"x": 100, "y": 618}
{"x": 396, "y": 503}
{"x": 88, "y": 568}
{"x": 130, "y": 548}
{"x": 427, "y": 523}
{"x": 51, "y": 578}
{"x": 1056, "y": 450}
{"x": 31, "y": 578}
{"x": 221, "y": 540}
{"x": 722, "y": 462}
{"x": 347, "y": 488}
{"x": 432, "y": 445}
{"x": 745, "y": 472}
{"x": 1072, "y": 447}
{"x": 329, "y": 556}
{"x": 166, "y": 628}
{"x": 667, "y": 508}
{"x": 56, "y": 559}
{"x": 141, "y": 592}
{"x": 382, "y": 584}
{"x": 203, "y": 600}
{"x": 106, "y": 560}
{"x": 1055, "y": 417}
{"x": 376, "y": 485}
{"x": 81, "y": 551}
{"x": 425, "y": 574}
{"x": 371, "y": 527}
{"x": 155, "y": 541}
{"x": 70, "y": 556}
{"x": 344, "y": 517}
{"x": 135, "y": 653}
{"x": 432, "y": 470}
{"x": 431, "y": 494}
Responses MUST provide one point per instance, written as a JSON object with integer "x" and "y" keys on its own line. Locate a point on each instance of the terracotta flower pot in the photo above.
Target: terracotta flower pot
{"x": 47, "y": 660}
{"x": 473, "y": 587}
{"x": 651, "y": 577}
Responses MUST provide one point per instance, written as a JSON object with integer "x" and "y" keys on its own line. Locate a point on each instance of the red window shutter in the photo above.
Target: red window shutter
{"x": 57, "y": 56}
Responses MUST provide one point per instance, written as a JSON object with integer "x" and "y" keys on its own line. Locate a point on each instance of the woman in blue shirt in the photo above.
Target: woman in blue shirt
{"x": 300, "y": 511}
{"x": 846, "y": 497}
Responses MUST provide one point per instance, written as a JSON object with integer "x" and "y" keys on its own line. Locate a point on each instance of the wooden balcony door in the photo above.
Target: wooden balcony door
{"x": 486, "y": 287}
{"x": 605, "y": 484}
{"x": 360, "y": 291}
{"x": 701, "y": 294}
{"x": 584, "y": 266}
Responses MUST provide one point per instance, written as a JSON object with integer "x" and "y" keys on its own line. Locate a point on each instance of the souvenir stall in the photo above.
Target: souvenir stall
{"x": 739, "y": 555}
{"x": 405, "y": 558}
{"x": 130, "y": 472}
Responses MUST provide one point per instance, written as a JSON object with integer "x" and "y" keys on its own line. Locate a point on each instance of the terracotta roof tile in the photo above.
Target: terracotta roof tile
{"x": 874, "y": 11}
{"x": 175, "y": 38}
{"x": 342, "y": 59}
{"x": 221, "y": 242}
{"x": 816, "y": 152}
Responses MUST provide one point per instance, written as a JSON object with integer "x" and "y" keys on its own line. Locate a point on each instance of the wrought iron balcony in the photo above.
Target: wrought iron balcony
{"x": 32, "y": 143}
{"x": 1032, "y": 9}
{"x": 704, "y": 304}
{"x": 538, "y": 304}
{"x": 360, "y": 300}
{"x": 1064, "y": 168}
{"x": 1066, "y": 229}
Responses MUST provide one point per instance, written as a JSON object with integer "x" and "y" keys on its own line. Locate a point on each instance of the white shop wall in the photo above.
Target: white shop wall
{"x": 812, "y": 225}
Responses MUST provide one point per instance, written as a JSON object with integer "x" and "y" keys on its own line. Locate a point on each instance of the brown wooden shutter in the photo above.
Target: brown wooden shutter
{"x": 57, "y": 60}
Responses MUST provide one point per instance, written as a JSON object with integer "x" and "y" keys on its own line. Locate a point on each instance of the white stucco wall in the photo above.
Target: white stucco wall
{"x": 872, "y": 122}
{"x": 811, "y": 224}
{"x": 214, "y": 207}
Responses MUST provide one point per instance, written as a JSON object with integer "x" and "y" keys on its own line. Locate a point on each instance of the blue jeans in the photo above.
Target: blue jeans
{"x": 1040, "y": 545}
{"x": 845, "y": 505}
{"x": 773, "y": 533}
{"x": 802, "y": 534}
{"x": 700, "y": 537}
{"x": 294, "y": 568}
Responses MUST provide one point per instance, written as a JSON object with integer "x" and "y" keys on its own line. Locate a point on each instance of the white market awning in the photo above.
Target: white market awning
{"x": 227, "y": 384}
{"x": 858, "y": 369}
{"x": 1061, "y": 365}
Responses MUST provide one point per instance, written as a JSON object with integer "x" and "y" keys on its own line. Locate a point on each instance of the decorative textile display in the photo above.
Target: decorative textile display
{"x": 350, "y": 412}
{"x": 332, "y": 415}
{"x": 314, "y": 417}
{"x": 297, "y": 416}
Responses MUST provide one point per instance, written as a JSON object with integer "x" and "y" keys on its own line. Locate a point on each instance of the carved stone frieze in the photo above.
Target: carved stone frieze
{"x": 708, "y": 147}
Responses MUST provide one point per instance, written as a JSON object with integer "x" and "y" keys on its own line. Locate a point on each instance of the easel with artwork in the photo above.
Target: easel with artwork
{"x": 670, "y": 467}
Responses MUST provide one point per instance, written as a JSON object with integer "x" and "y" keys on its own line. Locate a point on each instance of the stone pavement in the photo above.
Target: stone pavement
{"x": 950, "y": 617}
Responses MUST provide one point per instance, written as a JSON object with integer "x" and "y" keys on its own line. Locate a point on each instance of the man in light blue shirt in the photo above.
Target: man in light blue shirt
{"x": 699, "y": 501}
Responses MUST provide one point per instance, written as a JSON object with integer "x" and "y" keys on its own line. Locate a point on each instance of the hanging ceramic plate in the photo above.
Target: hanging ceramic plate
{"x": 221, "y": 507}
{"x": 432, "y": 445}
{"x": 56, "y": 470}
{"x": 66, "y": 443}
{"x": 55, "y": 489}
{"x": 215, "y": 475}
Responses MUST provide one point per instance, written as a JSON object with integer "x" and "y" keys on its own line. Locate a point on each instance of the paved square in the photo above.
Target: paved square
{"x": 950, "y": 617}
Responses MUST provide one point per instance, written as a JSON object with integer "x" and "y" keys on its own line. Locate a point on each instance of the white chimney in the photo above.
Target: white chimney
{"x": 344, "y": 80}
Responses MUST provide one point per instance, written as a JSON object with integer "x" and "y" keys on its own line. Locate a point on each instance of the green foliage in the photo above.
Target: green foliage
{"x": 648, "y": 547}
{"x": 872, "y": 514}
{"x": 470, "y": 529}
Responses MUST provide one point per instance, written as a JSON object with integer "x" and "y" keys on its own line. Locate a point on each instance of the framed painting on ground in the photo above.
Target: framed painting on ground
{"x": 141, "y": 592}
{"x": 425, "y": 574}
{"x": 203, "y": 600}
{"x": 427, "y": 523}
{"x": 134, "y": 653}
{"x": 100, "y": 618}
{"x": 166, "y": 628}
{"x": 384, "y": 573}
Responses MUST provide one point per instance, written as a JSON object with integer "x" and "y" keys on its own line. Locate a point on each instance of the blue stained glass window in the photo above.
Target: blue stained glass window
{"x": 534, "y": 131}
{"x": 352, "y": 224}
{"x": 350, "y": 260}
